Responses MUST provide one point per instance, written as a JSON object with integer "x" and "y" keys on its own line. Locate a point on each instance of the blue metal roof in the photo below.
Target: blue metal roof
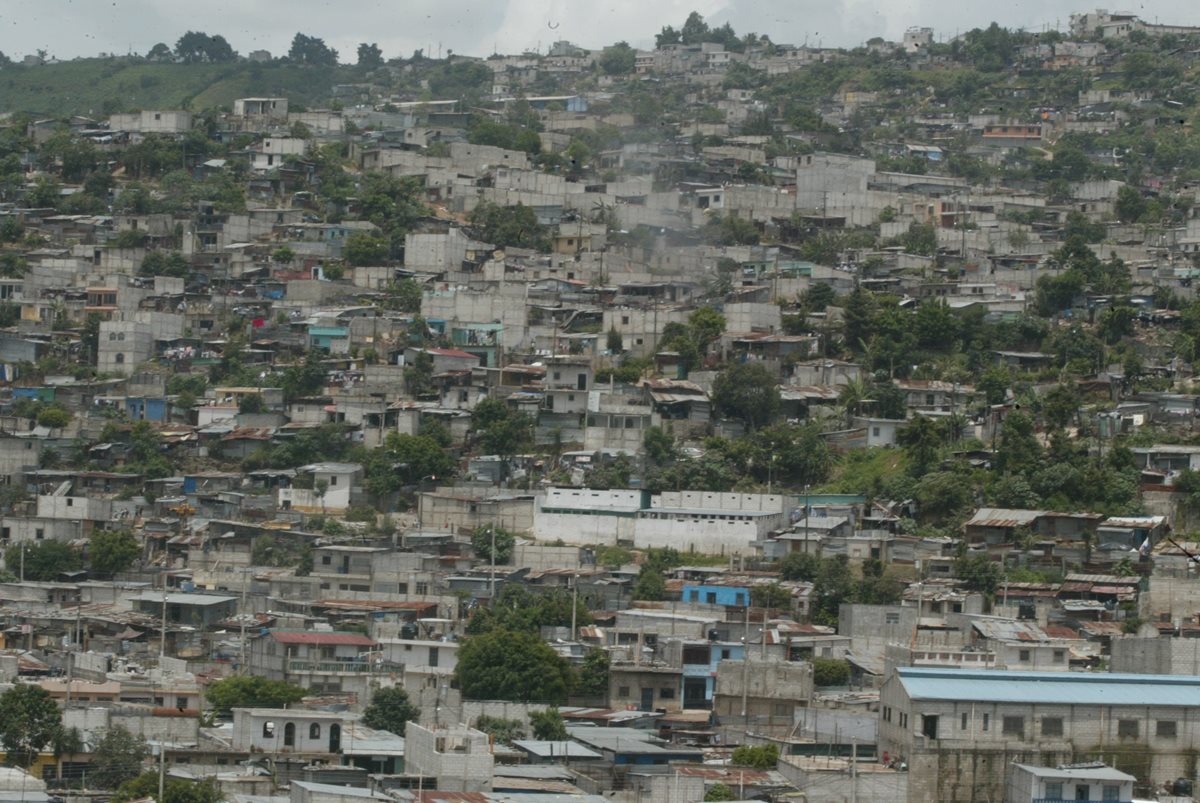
{"x": 1062, "y": 688}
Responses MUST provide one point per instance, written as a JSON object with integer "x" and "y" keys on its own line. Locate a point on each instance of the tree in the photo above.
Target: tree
{"x": 548, "y": 725}
{"x": 921, "y": 238}
{"x": 116, "y": 758}
{"x": 695, "y": 29}
{"x": 618, "y": 59}
{"x": 29, "y": 723}
{"x": 747, "y": 391}
{"x": 160, "y": 52}
{"x": 369, "y": 55}
{"x": 511, "y": 665}
{"x": 922, "y": 442}
{"x": 251, "y": 691}
{"x": 195, "y": 46}
{"x": 1018, "y": 450}
{"x": 1060, "y": 405}
{"x": 418, "y": 375}
{"x": 830, "y": 672}
{"x": 112, "y": 551}
{"x": 305, "y": 378}
{"x": 54, "y": 417}
{"x": 799, "y": 566}
{"x": 978, "y": 573}
{"x": 649, "y": 584}
{"x": 500, "y": 430}
{"x": 363, "y": 248}
{"x": 509, "y": 226}
{"x": 593, "y": 674}
{"x": 403, "y": 296}
{"x": 390, "y": 710}
{"x": 667, "y": 36}
{"x": 483, "y": 538}
{"x": 175, "y": 790}
{"x": 43, "y": 561}
{"x": 759, "y": 757}
{"x": 502, "y": 730}
{"x": 705, "y": 325}
{"x": 311, "y": 50}
{"x": 770, "y": 595}
{"x": 719, "y": 792}
{"x": 1130, "y": 205}
{"x": 517, "y": 609}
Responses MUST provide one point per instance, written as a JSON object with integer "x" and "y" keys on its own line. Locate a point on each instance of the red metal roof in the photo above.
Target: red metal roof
{"x": 328, "y": 639}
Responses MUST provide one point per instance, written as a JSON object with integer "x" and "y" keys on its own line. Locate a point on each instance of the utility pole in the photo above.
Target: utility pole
{"x": 492, "y": 598}
{"x": 853, "y": 771}
{"x": 162, "y": 638}
{"x": 745, "y": 662}
{"x": 574, "y": 604}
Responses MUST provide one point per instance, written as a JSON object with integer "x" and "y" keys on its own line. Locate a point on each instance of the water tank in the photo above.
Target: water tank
{"x": 1182, "y": 787}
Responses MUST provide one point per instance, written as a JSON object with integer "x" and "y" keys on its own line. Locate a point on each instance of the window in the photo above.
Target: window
{"x": 875, "y": 432}
{"x": 289, "y": 735}
{"x": 1052, "y": 726}
{"x": 268, "y": 730}
{"x": 1127, "y": 728}
{"x": 1013, "y": 726}
{"x": 725, "y": 654}
{"x": 1164, "y": 728}
{"x": 314, "y": 730}
{"x": 1111, "y": 792}
{"x": 891, "y": 618}
{"x": 1059, "y": 655}
{"x": 666, "y": 694}
{"x": 963, "y": 726}
{"x": 1054, "y": 791}
{"x": 1023, "y": 656}
{"x": 433, "y": 656}
{"x": 623, "y": 691}
{"x": 987, "y": 721}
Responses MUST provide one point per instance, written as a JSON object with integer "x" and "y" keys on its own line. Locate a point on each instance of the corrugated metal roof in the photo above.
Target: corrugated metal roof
{"x": 315, "y": 637}
{"x": 1003, "y": 517}
{"x": 1051, "y": 688}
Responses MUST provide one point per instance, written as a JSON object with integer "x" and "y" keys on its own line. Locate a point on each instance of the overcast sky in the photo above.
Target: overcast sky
{"x": 70, "y": 28}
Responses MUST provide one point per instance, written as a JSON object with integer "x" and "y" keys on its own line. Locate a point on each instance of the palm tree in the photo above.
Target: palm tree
{"x": 852, "y": 396}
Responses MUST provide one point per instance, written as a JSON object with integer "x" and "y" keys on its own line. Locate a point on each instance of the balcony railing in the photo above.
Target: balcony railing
{"x": 328, "y": 667}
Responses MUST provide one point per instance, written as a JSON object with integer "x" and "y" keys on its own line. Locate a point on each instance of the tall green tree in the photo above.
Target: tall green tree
{"x": 251, "y": 691}
{"x": 175, "y": 790}
{"x": 748, "y": 392}
{"x": 548, "y": 725}
{"x": 112, "y": 551}
{"x": 116, "y": 758}
{"x": 511, "y": 665}
{"x": 30, "y": 722}
{"x": 390, "y": 709}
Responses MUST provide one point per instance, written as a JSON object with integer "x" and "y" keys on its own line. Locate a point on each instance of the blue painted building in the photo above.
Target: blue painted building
{"x": 700, "y": 659}
{"x": 146, "y": 408}
{"x": 715, "y": 595}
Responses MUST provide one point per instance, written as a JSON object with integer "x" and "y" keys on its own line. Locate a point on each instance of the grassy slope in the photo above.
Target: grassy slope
{"x": 104, "y": 86}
